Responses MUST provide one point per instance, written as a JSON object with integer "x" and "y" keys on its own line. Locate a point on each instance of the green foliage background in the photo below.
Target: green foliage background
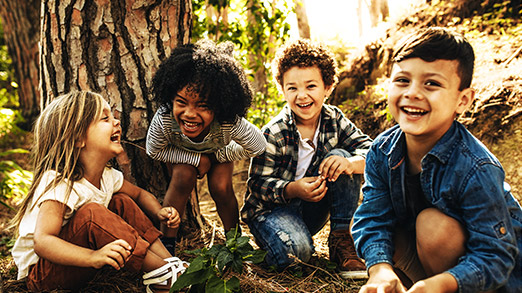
{"x": 14, "y": 180}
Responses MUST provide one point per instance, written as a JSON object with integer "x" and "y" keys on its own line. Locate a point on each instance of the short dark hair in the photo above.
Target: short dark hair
{"x": 305, "y": 53}
{"x": 210, "y": 70}
{"x": 435, "y": 43}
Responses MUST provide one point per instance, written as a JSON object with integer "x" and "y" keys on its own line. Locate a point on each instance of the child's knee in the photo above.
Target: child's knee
{"x": 91, "y": 212}
{"x": 290, "y": 248}
{"x": 222, "y": 190}
{"x": 183, "y": 176}
{"x": 436, "y": 230}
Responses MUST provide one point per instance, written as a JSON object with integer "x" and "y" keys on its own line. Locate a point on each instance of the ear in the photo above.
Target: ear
{"x": 466, "y": 97}
{"x": 329, "y": 90}
{"x": 80, "y": 144}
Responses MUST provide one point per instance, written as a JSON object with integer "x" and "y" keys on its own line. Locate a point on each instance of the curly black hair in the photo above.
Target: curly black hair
{"x": 305, "y": 53}
{"x": 211, "y": 71}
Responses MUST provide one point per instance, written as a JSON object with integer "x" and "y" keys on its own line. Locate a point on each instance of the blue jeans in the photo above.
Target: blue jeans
{"x": 286, "y": 231}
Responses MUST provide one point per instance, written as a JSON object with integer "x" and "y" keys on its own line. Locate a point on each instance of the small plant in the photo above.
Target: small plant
{"x": 208, "y": 270}
{"x": 14, "y": 180}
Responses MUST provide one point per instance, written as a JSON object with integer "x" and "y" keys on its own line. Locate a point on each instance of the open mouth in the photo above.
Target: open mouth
{"x": 115, "y": 137}
{"x": 414, "y": 111}
{"x": 305, "y": 105}
{"x": 191, "y": 125}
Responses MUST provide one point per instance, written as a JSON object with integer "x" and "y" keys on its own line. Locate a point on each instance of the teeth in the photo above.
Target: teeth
{"x": 414, "y": 110}
{"x": 191, "y": 124}
{"x": 115, "y": 137}
{"x": 304, "y": 105}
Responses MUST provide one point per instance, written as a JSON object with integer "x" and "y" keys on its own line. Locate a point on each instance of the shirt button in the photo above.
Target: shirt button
{"x": 502, "y": 230}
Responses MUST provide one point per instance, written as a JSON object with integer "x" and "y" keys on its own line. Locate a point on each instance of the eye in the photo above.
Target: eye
{"x": 311, "y": 86}
{"x": 401, "y": 80}
{"x": 179, "y": 102}
{"x": 291, "y": 88}
{"x": 433, "y": 83}
{"x": 203, "y": 106}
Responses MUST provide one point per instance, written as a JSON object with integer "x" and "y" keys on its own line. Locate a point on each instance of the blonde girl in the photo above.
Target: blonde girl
{"x": 80, "y": 214}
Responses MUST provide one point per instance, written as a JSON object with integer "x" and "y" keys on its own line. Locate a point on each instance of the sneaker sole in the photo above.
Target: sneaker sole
{"x": 354, "y": 275}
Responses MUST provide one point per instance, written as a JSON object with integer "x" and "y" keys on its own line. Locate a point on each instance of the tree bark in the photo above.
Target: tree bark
{"x": 302, "y": 19}
{"x": 20, "y": 20}
{"x": 114, "y": 48}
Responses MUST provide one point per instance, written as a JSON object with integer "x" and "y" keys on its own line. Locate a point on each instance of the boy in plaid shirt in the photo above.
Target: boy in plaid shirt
{"x": 311, "y": 170}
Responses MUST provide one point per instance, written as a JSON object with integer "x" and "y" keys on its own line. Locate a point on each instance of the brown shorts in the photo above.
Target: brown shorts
{"x": 409, "y": 262}
{"x": 93, "y": 226}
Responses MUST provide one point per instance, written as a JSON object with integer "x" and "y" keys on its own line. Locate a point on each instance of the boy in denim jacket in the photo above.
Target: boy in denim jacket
{"x": 437, "y": 214}
{"x": 312, "y": 168}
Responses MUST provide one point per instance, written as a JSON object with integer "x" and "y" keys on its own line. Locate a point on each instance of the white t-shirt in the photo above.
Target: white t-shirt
{"x": 83, "y": 192}
{"x": 306, "y": 153}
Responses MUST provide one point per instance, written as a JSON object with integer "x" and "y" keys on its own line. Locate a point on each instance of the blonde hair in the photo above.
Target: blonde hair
{"x": 58, "y": 134}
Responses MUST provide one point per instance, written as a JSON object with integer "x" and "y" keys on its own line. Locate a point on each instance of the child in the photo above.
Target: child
{"x": 311, "y": 169}
{"x": 81, "y": 215}
{"x": 437, "y": 213}
{"x": 200, "y": 127}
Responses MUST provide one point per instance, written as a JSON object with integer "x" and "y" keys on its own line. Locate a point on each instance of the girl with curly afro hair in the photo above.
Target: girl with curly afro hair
{"x": 199, "y": 128}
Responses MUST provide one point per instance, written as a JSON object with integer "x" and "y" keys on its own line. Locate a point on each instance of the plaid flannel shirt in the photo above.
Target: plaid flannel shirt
{"x": 271, "y": 171}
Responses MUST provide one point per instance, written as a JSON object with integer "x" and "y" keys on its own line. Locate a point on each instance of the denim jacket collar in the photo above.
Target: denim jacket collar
{"x": 394, "y": 147}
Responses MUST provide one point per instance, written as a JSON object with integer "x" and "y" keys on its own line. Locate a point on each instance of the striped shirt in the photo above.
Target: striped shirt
{"x": 228, "y": 141}
{"x": 270, "y": 172}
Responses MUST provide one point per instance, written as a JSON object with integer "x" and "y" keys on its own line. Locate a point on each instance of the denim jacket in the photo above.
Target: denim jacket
{"x": 461, "y": 178}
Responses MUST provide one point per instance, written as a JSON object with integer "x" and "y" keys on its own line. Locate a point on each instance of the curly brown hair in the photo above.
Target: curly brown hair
{"x": 305, "y": 53}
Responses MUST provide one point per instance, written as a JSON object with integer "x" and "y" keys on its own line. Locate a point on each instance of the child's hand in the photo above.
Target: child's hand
{"x": 382, "y": 279}
{"x": 310, "y": 189}
{"x": 205, "y": 163}
{"x": 439, "y": 283}
{"x": 114, "y": 254}
{"x": 170, "y": 216}
{"x": 334, "y": 166}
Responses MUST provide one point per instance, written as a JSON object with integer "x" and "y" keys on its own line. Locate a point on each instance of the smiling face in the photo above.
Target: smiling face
{"x": 104, "y": 135}
{"x": 192, "y": 114}
{"x": 305, "y": 92}
{"x": 424, "y": 97}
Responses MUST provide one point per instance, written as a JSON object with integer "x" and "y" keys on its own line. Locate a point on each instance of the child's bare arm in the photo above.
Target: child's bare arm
{"x": 48, "y": 245}
{"x": 150, "y": 205}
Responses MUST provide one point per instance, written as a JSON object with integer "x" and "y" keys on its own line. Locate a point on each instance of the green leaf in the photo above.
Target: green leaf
{"x": 237, "y": 265}
{"x": 191, "y": 278}
{"x": 217, "y": 285}
{"x": 243, "y": 241}
{"x": 257, "y": 256}
{"x": 232, "y": 234}
{"x": 223, "y": 259}
{"x": 197, "y": 264}
{"x": 216, "y": 249}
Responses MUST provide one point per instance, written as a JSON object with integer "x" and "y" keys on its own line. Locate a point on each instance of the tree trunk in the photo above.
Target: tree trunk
{"x": 20, "y": 20}
{"x": 302, "y": 19}
{"x": 114, "y": 48}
